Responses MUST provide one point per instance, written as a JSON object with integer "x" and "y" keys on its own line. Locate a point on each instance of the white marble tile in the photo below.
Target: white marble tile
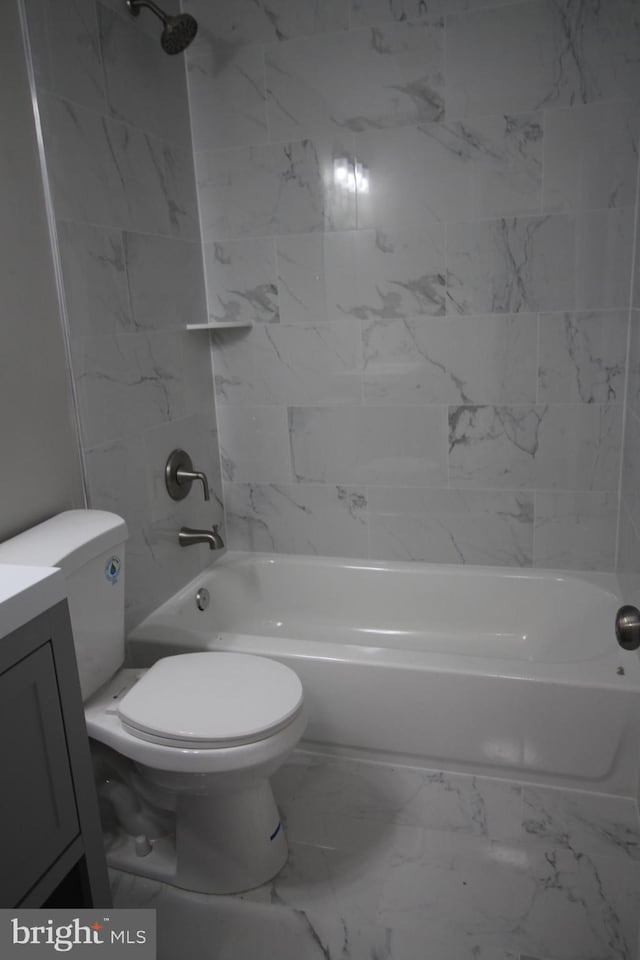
{"x": 415, "y": 175}
{"x": 389, "y": 445}
{"x": 604, "y": 242}
{"x": 426, "y": 895}
{"x": 159, "y": 184}
{"x": 254, "y": 444}
{"x": 489, "y": 359}
{"x": 344, "y": 937}
{"x": 82, "y": 167}
{"x": 579, "y": 907}
{"x": 590, "y": 156}
{"x": 95, "y": 279}
{"x": 575, "y": 531}
{"x": 196, "y": 435}
{"x": 157, "y": 566}
{"x": 166, "y": 281}
{"x": 385, "y": 77}
{"x": 126, "y": 383}
{"x": 506, "y": 153}
{"x": 331, "y": 789}
{"x": 507, "y": 266}
{"x": 631, "y": 468}
{"x": 582, "y": 357}
{"x": 147, "y": 23}
{"x": 633, "y": 386}
{"x": 599, "y": 826}
{"x": 314, "y": 785}
{"x": 451, "y": 526}
{"x": 225, "y": 928}
{"x": 357, "y": 876}
{"x": 106, "y": 173}
{"x": 66, "y": 49}
{"x": 473, "y": 899}
{"x": 227, "y": 94}
{"x": 486, "y": 167}
{"x": 628, "y": 559}
{"x": 275, "y": 189}
{"x": 399, "y": 273}
{"x": 289, "y": 364}
{"x": 360, "y": 856}
{"x": 197, "y": 378}
{"x": 559, "y": 446}
{"x": 370, "y": 12}
{"x": 316, "y": 274}
{"x": 144, "y": 87}
{"x": 238, "y": 22}
{"x": 405, "y": 943}
{"x": 241, "y": 280}
{"x": 540, "y": 54}
{"x": 117, "y": 480}
{"x": 297, "y": 518}
{"x": 303, "y": 882}
{"x": 362, "y": 882}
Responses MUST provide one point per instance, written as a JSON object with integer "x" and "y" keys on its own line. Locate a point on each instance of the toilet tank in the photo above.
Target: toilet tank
{"x": 88, "y": 546}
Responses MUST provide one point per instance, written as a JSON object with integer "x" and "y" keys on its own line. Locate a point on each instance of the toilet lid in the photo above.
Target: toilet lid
{"x": 211, "y": 700}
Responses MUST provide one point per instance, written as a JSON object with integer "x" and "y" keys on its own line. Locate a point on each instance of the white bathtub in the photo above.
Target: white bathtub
{"x": 504, "y": 672}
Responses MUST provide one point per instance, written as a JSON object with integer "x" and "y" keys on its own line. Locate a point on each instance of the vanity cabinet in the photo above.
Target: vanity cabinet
{"x": 50, "y": 834}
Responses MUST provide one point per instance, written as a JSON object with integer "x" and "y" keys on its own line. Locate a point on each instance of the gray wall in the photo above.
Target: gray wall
{"x": 118, "y": 147}
{"x": 427, "y": 212}
{"x": 40, "y": 472}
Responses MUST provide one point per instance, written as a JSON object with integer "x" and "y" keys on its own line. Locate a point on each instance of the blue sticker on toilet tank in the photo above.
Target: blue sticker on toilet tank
{"x": 112, "y": 569}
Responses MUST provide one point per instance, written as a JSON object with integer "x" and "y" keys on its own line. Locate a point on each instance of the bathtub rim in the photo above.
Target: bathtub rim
{"x": 161, "y": 630}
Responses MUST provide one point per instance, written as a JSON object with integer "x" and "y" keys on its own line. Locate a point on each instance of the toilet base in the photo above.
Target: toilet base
{"x": 223, "y": 843}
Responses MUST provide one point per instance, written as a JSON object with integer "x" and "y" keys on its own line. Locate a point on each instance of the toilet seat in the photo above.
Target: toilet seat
{"x": 211, "y": 701}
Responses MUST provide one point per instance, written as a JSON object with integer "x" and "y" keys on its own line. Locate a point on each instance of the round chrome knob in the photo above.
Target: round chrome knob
{"x": 628, "y": 627}
{"x": 202, "y": 599}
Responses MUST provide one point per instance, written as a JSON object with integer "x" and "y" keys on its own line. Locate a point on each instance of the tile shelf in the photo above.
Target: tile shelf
{"x": 225, "y": 325}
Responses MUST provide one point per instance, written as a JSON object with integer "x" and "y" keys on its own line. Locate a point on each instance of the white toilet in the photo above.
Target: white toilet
{"x": 204, "y": 731}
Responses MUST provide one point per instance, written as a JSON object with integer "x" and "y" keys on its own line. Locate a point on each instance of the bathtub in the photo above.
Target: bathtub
{"x": 498, "y": 672}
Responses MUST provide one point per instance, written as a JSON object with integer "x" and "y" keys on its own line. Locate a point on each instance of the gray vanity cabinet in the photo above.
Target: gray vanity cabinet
{"x": 50, "y": 837}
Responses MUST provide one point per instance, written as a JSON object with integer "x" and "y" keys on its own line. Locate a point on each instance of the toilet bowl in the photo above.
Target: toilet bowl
{"x": 194, "y": 738}
{"x": 204, "y": 732}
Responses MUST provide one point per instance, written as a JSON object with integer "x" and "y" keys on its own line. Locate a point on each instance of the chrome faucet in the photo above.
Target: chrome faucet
{"x": 179, "y": 475}
{"x": 187, "y": 537}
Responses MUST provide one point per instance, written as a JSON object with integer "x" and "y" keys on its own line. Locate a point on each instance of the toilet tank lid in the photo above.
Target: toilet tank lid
{"x": 68, "y": 540}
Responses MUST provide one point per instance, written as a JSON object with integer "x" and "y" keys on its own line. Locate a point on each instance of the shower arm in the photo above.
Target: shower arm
{"x": 134, "y": 8}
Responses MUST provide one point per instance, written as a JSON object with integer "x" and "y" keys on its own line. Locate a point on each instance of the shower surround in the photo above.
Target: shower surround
{"x": 117, "y": 140}
{"x": 427, "y": 212}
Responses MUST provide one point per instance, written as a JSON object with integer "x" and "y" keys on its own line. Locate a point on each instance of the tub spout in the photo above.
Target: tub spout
{"x": 187, "y": 537}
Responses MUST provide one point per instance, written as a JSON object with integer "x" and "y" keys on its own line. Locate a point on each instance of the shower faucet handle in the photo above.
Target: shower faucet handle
{"x": 179, "y": 476}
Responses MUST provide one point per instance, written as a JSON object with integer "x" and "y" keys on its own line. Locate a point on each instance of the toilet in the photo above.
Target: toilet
{"x": 184, "y": 749}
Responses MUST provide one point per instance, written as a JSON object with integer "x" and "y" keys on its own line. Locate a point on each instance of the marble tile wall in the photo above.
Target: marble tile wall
{"x": 118, "y": 146}
{"x": 427, "y": 212}
{"x": 629, "y": 535}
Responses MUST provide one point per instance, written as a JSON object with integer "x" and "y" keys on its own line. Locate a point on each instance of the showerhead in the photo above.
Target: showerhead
{"x": 178, "y": 31}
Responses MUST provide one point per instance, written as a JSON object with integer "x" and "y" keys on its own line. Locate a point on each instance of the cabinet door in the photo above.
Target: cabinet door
{"x": 38, "y": 817}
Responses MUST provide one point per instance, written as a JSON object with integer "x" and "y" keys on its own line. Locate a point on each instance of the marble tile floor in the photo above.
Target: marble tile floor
{"x": 390, "y": 862}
